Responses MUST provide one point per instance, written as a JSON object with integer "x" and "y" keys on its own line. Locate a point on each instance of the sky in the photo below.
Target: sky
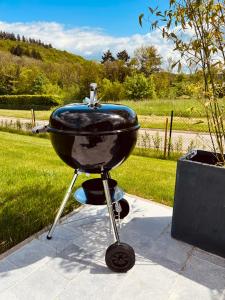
{"x": 87, "y": 28}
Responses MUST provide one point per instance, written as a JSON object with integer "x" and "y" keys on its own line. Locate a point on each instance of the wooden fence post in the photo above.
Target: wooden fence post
{"x": 33, "y": 119}
{"x": 165, "y": 140}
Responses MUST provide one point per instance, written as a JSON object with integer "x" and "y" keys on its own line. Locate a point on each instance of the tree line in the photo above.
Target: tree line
{"x": 13, "y": 37}
{"x": 18, "y": 50}
{"x": 143, "y": 75}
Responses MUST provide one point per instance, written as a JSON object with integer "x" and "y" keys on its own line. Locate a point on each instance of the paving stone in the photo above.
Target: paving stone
{"x": 97, "y": 284}
{"x": 215, "y": 259}
{"x": 73, "y": 260}
{"x": 8, "y": 295}
{"x": 72, "y": 264}
{"x": 43, "y": 284}
{"x": 93, "y": 242}
{"x": 200, "y": 280}
{"x": 62, "y": 237}
{"x": 144, "y": 231}
{"x": 85, "y": 216}
{"x": 9, "y": 274}
{"x": 32, "y": 256}
{"x": 146, "y": 282}
{"x": 99, "y": 226}
{"x": 168, "y": 248}
{"x": 139, "y": 206}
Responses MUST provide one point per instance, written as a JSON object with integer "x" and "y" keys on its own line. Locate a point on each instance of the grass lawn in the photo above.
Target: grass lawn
{"x": 153, "y": 121}
{"x": 157, "y": 107}
{"x": 33, "y": 180}
{"x": 163, "y": 107}
{"x": 151, "y": 114}
{"x": 179, "y": 123}
{"x": 26, "y": 114}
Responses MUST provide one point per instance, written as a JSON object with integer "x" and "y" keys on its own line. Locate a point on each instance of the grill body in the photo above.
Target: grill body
{"x": 93, "y": 139}
{"x": 96, "y": 138}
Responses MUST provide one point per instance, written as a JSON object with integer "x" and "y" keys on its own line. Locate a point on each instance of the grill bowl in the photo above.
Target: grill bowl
{"x": 94, "y": 190}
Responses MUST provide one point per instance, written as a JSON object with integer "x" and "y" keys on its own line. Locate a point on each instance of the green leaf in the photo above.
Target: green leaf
{"x": 198, "y": 122}
{"x": 173, "y": 35}
{"x": 174, "y": 64}
{"x": 154, "y": 24}
{"x": 151, "y": 10}
{"x": 140, "y": 19}
{"x": 159, "y": 14}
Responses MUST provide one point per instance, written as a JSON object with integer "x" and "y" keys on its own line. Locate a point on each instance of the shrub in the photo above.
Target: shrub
{"x": 111, "y": 91}
{"x": 188, "y": 88}
{"x": 139, "y": 87}
{"x": 28, "y": 101}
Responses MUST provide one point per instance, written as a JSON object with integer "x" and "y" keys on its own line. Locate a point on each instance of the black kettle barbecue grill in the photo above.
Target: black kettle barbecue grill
{"x": 95, "y": 138}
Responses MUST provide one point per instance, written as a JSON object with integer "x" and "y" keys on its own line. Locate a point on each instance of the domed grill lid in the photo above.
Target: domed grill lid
{"x": 93, "y": 118}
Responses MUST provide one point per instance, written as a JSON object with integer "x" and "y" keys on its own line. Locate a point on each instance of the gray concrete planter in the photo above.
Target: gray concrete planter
{"x": 199, "y": 203}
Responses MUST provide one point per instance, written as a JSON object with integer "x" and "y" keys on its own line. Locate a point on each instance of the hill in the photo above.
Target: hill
{"x": 47, "y": 54}
{"x": 28, "y": 66}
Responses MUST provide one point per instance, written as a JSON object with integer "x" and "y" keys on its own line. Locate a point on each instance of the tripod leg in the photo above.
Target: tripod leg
{"x": 62, "y": 206}
{"x": 105, "y": 177}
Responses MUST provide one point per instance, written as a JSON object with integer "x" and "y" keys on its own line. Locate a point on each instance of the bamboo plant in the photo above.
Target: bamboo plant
{"x": 197, "y": 28}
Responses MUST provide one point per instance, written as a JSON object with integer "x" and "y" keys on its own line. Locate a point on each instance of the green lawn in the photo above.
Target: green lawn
{"x": 179, "y": 123}
{"x": 157, "y": 107}
{"x": 153, "y": 121}
{"x": 40, "y": 115}
{"x": 163, "y": 107}
{"x": 151, "y": 114}
{"x": 33, "y": 180}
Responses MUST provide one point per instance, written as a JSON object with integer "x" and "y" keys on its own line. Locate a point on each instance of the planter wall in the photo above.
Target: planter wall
{"x": 199, "y": 203}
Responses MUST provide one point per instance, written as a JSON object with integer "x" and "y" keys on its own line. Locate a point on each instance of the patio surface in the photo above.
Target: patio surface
{"x": 72, "y": 266}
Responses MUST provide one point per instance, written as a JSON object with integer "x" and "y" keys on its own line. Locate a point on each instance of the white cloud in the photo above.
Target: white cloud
{"x": 85, "y": 41}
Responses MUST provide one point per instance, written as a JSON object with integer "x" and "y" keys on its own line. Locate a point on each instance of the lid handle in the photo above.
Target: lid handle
{"x": 92, "y": 101}
{"x": 93, "y": 94}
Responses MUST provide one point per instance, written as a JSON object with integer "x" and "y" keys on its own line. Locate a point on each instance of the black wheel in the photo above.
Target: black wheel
{"x": 124, "y": 208}
{"x": 120, "y": 257}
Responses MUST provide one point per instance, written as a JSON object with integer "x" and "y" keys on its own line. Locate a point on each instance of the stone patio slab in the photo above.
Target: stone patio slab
{"x": 72, "y": 264}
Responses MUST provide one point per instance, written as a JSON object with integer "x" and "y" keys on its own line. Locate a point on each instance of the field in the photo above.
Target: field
{"x": 163, "y": 107}
{"x": 179, "y": 123}
{"x": 188, "y": 113}
{"x": 157, "y": 107}
{"x": 40, "y": 114}
{"x": 33, "y": 181}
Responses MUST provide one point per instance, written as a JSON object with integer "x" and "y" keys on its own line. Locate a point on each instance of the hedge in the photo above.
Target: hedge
{"x": 29, "y": 101}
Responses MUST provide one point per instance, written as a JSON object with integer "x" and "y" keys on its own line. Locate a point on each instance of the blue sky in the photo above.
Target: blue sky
{"x": 84, "y": 27}
{"x": 117, "y": 17}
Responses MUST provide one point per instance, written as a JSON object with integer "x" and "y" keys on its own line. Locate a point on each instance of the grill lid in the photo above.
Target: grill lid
{"x": 99, "y": 119}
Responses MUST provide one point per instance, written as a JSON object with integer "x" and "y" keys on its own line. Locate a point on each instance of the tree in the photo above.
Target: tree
{"x": 123, "y": 55}
{"x": 39, "y": 84}
{"x": 148, "y": 60}
{"x": 18, "y": 50}
{"x": 139, "y": 87}
{"x": 107, "y": 56}
{"x": 205, "y": 48}
{"x": 116, "y": 70}
{"x": 35, "y": 54}
{"x": 111, "y": 91}
{"x": 25, "y": 79}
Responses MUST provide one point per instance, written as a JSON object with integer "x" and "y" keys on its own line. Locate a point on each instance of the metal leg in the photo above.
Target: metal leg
{"x": 62, "y": 206}
{"x": 105, "y": 177}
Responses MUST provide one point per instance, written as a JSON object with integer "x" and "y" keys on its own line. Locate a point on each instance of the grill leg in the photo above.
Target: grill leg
{"x": 105, "y": 177}
{"x": 62, "y": 206}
